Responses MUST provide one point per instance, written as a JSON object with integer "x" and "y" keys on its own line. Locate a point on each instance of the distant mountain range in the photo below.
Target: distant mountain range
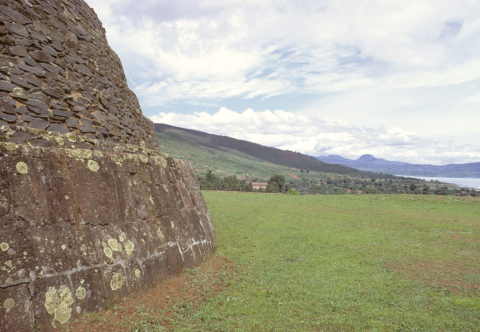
{"x": 368, "y": 162}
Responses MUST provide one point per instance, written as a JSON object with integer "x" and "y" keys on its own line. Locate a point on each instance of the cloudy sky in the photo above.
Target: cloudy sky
{"x": 397, "y": 79}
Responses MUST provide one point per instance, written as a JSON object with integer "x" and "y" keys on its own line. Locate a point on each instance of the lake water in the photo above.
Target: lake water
{"x": 462, "y": 182}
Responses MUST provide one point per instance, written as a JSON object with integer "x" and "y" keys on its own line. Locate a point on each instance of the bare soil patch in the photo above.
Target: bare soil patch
{"x": 159, "y": 305}
{"x": 450, "y": 275}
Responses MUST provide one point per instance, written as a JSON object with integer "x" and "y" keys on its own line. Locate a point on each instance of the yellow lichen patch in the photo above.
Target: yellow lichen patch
{"x": 25, "y": 253}
{"x": 129, "y": 247}
{"x": 83, "y": 247}
{"x": 113, "y": 243}
{"x": 9, "y": 264}
{"x": 59, "y": 141}
{"x": 172, "y": 224}
{"x": 117, "y": 281}
{"x": 81, "y": 293}
{"x": 108, "y": 252}
{"x": 151, "y": 200}
{"x": 93, "y": 166}
{"x": 143, "y": 158}
{"x": 160, "y": 234}
{"x": 58, "y": 304}
{"x": 97, "y": 153}
{"x": 4, "y": 246}
{"x": 64, "y": 246}
{"x": 11, "y": 146}
{"x": 9, "y": 303}
{"x": 27, "y": 306}
{"x": 9, "y": 280}
{"x": 71, "y": 137}
{"x": 22, "y": 167}
{"x": 138, "y": 273}
{"x": 121, "y": 238}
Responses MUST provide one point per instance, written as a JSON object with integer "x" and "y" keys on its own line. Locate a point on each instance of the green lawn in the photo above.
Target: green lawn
{"x": 344, "y": 263}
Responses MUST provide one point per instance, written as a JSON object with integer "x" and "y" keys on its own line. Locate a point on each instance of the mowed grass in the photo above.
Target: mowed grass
{"x": 343, "y": 263}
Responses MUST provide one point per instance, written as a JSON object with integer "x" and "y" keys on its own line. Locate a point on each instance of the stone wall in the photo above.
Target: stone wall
{"x": 90, "y": 210}
{"x": 81, "y": 227}
{"x": 57, "y": 73}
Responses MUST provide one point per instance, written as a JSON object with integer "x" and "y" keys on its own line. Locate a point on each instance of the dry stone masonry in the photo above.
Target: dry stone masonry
{"x": 90, "y": 211}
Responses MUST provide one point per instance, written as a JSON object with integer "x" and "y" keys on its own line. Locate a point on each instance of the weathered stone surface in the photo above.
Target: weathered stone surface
{"x": 40, "y": 56}
{"x": 32, "y": 80}
{"x": 90, "y": 210}
{"x": 34, "y": 70}
{"x": 62, "y": 114}
{"x": 72, "y": 123}
{"x": 87, "y": 129}
{"x": 5, "y": 86}
{"x": 8, "y": 117}
{"x": 39, "y": 124}
{"x": 18, "y": 81}
{"x": 19, "y": 50}
{"x": 13, "y": 14}
{"x": 125, "y": 237}
{"x": 7, "y": 108}
{"x": 35, "y": 104}
{"x": 59, "y": 128}
{"x": 17, "y": 29}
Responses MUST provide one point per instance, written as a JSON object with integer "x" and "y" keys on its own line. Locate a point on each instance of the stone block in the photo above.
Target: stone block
{"x": 17, "y": 310}
{"x": 17, "y": 29}
{"x": 59, "y": 128}
{"x": 53, "y": 302}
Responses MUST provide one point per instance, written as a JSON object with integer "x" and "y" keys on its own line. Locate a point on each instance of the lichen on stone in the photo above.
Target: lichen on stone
{"x": 81, "y": 293}
{"x": 58, "y": 304}
{"x": 4, "y": 246}
{"x": 129, "y": 246}
{"x": 117, "y": 281}
{"x": 22, "y": 167}
{"x": 108, "y": 252}
{"x": 138, "y": 273}
{"x": 9, "y": 303}
{"x": 160, "y": 234}
{"x": 143, "y": 158}
{"x": 93, "y": 166}
{"x": 113, "y": 243}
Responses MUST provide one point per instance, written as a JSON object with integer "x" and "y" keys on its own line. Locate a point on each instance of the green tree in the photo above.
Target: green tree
{"x": 279, "y": 180}
{"x": 272, "y": 188}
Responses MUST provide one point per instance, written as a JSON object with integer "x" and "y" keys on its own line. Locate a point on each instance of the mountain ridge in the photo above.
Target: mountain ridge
{"x": 370, "y": 163}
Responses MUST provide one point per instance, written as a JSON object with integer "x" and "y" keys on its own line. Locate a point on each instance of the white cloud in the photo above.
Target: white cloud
{"x": 316, "y": 136}
{"x": 396, "y": 67}
{"x": 218, "y": 49}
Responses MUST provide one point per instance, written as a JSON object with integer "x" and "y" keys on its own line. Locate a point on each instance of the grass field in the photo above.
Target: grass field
{"x": 338, "y": 263}
{"x": 330, "y": 263}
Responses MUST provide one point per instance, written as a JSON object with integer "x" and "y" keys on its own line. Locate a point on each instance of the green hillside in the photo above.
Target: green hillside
{"x": 226, "y": 156}
{"x": 225, "y": 163}
{"x": 264, "y": 153}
